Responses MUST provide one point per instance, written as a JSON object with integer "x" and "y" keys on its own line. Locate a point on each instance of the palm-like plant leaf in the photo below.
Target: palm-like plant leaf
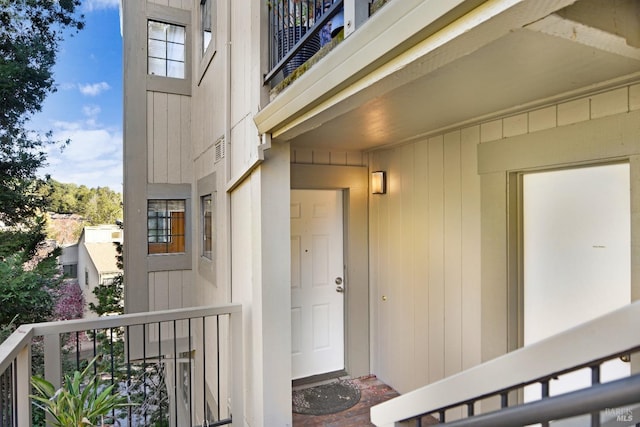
{"x": 81, "y": 401}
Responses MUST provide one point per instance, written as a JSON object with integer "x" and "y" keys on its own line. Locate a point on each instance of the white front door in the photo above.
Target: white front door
{"x": 577, "y": 257}
{"x": 317, "y": 282}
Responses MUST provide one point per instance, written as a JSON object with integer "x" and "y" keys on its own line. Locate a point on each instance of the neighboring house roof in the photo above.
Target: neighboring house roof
{"x": 103, "y": 256}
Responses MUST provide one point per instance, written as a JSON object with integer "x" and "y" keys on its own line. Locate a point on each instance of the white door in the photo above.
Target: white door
{"x": 577, "y": 257}
{"x": 317, "y": 282}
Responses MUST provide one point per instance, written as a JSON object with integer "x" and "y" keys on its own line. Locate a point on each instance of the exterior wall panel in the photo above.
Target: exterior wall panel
{"x": 425, "y": 237}
{"x": 303, "y": 155}
{"x": 435, "y": 310}
{"x": 168, "y": 138}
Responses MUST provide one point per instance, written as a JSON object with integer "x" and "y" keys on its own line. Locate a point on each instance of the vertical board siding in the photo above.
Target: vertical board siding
{"x": 150, "y": 120}
{"x": 435, "y": 260}
{"x": 178, "y": 4}
{"x": 470, "y": 228}
{"x": 160, "y": 137}
{"x": 174, "y": 138}
{"x": 185, "y": 138}
{"x": 168, "y": 138}
{"x": 452, "y": 255}
{"x": 425, "y": 258}
{"x": 170, "y": 289}
{"x": 403, "y": 249}
{"x": 426, "y": 247}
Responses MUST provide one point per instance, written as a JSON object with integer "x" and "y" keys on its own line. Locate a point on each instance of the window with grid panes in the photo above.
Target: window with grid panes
{"x": 166, "y": 49}
{"x": 166, "y": 226}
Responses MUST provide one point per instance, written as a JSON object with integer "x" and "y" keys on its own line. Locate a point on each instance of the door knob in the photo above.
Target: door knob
{"x": 339, "y": 289}
{"x": 338, "y": 280}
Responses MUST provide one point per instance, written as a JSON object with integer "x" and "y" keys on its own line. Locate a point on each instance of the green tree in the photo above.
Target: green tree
{"x": 25, "y": 295}
{"x": 22, "y": 241}
{"x": 30, "y": 33}
{"x": 99, "y": 205}
{"x": 103, "y": 207}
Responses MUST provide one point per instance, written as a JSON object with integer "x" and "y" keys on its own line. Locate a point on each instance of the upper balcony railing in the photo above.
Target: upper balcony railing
{"x": 583, "y": 356}
{"x": 177, "y": 367}
{"x": 297, "y": 30}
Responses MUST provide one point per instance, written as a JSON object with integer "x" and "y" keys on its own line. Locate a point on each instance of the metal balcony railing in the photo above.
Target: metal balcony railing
{"x": 177, "y": 367}
{"x": 500, "y": 383}
{"x": 297, "y": 30}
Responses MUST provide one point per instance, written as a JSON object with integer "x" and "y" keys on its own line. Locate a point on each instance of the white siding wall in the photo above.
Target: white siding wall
{"x": 170, "y": 289}
{"x": 179, "y": 4}
{"x": 425, "y": 251}
{"x": 425, "y": 259}
{"x": 168, "y": 138}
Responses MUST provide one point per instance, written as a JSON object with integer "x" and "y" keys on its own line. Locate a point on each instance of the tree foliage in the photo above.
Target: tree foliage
{"x": 25, "y": 295}
{"x": 30, "y": 33}
{"x": 99, "y": 205}
{"x": 22, "y": 241}
{"x": 110, "y": 295}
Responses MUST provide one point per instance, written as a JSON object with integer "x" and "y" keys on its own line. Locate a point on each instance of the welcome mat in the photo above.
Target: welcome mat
{"x": 326, "y": 398}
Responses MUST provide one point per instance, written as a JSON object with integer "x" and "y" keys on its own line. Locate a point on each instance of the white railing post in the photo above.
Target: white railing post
{"x": 356, "y": 12}
{"x": 23, "y": 386}
{"x": 52, "y": 362}
{"x": 237, "y": 363}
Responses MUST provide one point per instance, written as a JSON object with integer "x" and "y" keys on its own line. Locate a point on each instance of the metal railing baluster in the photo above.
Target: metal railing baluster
{"x": 129, "y": 382}
{"x": 157, "y": 408}
{"x": 595, "y": 379}
{"x": 204, "y": 371}
{"x": 190, "y": 385}
{"x": 218, "y": 363}
{"x": 144, "y": 369}
{"x": 175, "y": 372}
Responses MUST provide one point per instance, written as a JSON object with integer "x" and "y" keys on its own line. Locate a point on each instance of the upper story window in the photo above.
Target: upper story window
{"x": 205, "y": 15}
{"x": 166, "y": 49}
{"x": 166, "y": 226}
{"x": 207, "y": 226}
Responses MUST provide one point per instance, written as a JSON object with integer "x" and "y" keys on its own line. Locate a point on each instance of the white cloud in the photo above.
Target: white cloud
{"x": 93, "y": 156}
{"x": 91, "y": 111}
{"x": 93, "y": 89}
{"x": 91, "y": 5}
{"x": 67, "y": 86}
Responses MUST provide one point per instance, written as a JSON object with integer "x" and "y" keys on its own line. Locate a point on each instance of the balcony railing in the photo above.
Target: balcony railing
{"x": 297, "y": 30}
{"x": 500, "y": 383}
{"x": 177, "y": 367}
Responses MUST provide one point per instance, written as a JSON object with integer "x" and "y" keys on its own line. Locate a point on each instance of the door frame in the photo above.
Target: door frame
{"x": 353, "y": 180}
{"x": 593, "y": 142}
{"x": 306, "y": 293}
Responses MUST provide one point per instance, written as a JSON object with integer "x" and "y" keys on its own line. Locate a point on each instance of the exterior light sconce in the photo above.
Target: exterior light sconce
{"x": 378, "y": 182}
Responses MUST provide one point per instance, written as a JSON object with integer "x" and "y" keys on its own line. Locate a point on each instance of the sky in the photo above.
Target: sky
{"x": 87, "y": 106}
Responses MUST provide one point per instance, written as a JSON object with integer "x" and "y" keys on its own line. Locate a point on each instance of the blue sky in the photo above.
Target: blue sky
{"x": 87, "y": 107}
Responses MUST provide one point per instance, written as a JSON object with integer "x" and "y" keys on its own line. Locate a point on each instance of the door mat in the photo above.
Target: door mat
{"x": 326, "y": 398}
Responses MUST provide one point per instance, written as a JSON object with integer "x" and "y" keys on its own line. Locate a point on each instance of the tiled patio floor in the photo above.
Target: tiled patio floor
{"x": 372, "y": 392}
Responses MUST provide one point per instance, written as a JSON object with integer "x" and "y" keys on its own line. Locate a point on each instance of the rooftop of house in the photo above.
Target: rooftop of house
{"x": 103, "y": 256}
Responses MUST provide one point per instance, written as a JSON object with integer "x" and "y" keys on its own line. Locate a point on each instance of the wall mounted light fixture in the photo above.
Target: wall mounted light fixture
{"x": 378, "y": 182}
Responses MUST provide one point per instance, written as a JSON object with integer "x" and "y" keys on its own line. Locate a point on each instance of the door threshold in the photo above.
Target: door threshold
{"x": 314, "y": 379}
